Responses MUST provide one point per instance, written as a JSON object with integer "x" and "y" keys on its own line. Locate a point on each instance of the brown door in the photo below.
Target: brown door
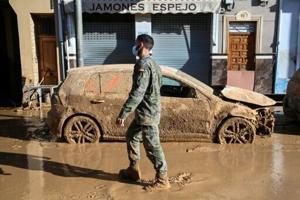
{"x": 48, "y": 61}
{"x": 241, "y": 51}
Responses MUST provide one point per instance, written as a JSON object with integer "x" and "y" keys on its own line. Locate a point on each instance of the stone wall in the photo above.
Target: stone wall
{"x": 263, "y": 78}
{"x": 219, "y": 71}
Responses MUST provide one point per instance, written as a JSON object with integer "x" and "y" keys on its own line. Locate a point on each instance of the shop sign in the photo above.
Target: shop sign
{"x": 146, "y": 6}
{"x": 240, "y": 27}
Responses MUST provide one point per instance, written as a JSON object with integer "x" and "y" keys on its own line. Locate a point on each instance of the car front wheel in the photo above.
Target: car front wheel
{"x": 236, "y": 130}
{"x": 81, "y": 129}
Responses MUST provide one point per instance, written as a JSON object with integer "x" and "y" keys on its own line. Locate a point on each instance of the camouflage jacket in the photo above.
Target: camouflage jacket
{"x": 144, "y": 97}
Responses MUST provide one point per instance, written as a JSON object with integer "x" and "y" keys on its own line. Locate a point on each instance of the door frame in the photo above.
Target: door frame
{"x": 258, "y": 36}
{"x": 36, "y": 20}
{"x": 40, "y": 60}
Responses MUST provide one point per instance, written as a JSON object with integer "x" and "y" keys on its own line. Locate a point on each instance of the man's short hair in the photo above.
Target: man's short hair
{"x": 147, "y": 40}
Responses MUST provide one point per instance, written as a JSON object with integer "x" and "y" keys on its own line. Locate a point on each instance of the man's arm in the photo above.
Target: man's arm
{"x": 140, "y": 84}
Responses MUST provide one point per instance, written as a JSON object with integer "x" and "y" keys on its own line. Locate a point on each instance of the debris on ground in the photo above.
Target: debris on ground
{"x": 181, "y": 179}
{"x": 202, "y": 148}
{"x": 40, "y": 132}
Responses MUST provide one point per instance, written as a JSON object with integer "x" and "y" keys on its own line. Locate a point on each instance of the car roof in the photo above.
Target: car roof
{"x": 113, "y": 67}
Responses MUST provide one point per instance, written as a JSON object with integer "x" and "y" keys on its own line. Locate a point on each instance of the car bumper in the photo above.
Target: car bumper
{"x": 55, "y": 119}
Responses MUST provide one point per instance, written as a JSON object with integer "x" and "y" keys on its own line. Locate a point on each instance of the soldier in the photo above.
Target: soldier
{"x": 144, "y": 99}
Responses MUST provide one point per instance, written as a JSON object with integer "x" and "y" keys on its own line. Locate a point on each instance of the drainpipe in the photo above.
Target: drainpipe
{"x": 59, "y": 37}
{"x": 276, "y": 87}
{"x": 79, "y": 33}
{"x": 298, "y": 47}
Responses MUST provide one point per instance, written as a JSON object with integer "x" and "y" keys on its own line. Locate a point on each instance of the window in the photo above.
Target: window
{"x": 174, "y": 88}
{"x": 116, "y": 82}
{"x": 92, "y": 85}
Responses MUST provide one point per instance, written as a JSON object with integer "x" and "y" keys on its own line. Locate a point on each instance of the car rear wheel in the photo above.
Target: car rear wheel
{"x": 236, "y": 130}
{"x": 81, "y": 129}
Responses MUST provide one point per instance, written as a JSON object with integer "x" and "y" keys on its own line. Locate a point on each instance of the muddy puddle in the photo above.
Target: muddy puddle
{"x": 32, "y": 167}
{"x": 25, "y": 125}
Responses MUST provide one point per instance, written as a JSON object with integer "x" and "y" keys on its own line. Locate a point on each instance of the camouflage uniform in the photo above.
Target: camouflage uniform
{"x": 144, "y": 98}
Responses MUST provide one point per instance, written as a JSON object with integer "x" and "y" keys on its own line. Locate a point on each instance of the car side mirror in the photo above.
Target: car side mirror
{"x": 194, "y": 93}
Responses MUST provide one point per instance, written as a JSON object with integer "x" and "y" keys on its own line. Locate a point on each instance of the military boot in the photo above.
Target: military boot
{"x": 132, "y": 173}
{"x": 161, "y": 183}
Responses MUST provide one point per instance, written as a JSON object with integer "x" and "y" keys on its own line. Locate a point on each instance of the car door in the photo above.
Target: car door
{"x": 106, "y": 104}
{"x": 185, "y": 112}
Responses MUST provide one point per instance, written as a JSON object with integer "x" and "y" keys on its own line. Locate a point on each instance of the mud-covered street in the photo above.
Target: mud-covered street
{"x": 32, "y": 166}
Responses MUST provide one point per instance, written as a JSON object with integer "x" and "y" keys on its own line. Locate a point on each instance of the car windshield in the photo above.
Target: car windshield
{"x": 194, "y": 80}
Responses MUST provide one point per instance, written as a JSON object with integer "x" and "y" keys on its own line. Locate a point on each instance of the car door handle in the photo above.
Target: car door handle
{"x": 97, "y": 101}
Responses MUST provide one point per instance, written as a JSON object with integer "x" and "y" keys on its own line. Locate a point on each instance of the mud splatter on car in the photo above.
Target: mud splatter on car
{"x": 86, "y": 104}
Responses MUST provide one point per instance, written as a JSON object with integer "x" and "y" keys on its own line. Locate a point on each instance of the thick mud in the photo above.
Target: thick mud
{"x": 33, "y": 167}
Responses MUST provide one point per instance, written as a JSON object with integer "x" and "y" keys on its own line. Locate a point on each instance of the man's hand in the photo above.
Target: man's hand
{"x": 120, "y": 122}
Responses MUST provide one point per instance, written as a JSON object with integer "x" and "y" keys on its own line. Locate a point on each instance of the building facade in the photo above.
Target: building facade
{"x": 29, "y": 55}
{"x": 182, "y": 31}
{"x": 37, "y": 40}
{"x": 245, "y": 51}
{"x": 218, "y": 42}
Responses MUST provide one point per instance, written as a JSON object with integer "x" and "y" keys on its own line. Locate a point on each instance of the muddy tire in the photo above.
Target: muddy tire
{"x": 81, "y": 129}
{"x": 266, "y": 122}
{"x": 236, "y": 130}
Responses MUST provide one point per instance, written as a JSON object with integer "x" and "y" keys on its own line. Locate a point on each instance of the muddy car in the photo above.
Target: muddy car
{"x": 85, "y": 106}
{"x": 291, "y": 102}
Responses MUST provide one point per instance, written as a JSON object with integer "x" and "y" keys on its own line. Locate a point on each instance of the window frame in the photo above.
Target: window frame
{"x": 104, "y": 73}
{"x": 183, "y": 83}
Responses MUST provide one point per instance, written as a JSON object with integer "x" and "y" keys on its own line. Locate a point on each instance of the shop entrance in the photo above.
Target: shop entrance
{"x": 183, "y": 41}
{"x": 46, "y": 49}
{"x": 108, "y": 38}
{"x": 241, "y": 51}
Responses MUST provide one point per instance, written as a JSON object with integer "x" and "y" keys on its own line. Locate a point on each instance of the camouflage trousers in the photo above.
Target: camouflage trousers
{"x": 150, "y": 137}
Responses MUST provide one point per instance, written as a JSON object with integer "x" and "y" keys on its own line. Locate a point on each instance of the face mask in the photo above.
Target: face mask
{"x": 135, "y": 50}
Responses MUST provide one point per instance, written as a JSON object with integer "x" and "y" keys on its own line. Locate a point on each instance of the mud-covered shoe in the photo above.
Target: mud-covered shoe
{"x": 161, "y": 183}
{"x": 130, "y": 174}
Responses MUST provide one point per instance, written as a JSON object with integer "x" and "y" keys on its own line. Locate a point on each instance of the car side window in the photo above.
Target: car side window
{"x": 116, "y": 82}
{"x": 174, "y": 88}
{"x": 92, "y": 85}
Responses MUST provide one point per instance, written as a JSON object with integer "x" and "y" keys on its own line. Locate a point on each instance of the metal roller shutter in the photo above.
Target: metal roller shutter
{"x": 183, "y": 41}
{"x": 108, "y": 39}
